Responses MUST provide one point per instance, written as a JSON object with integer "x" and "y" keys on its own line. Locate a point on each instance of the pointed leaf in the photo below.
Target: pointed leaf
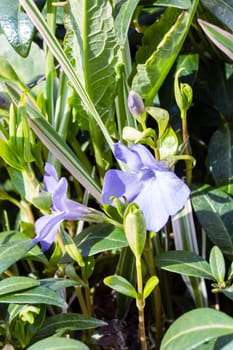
{"x": 15, "y": 284}
{"x": 37, "y": 295}
{"x": 182, "y": 4}
{"x": 228, "y": 292}
{"x": 214, "y": 209}
{"x": 184, "y": 262}
{"x": 59, "y": 283}
{"x": 10, "y": 253}
{"x": 55, "y": 343}
{"x": 217, "y": 264}
{"x": 195, "y": 328}
{"x": 221, "y": 9}
{"x": 220, "y": 37}
{"x": 152, "y": 282}
{"x": 121, "y": 285}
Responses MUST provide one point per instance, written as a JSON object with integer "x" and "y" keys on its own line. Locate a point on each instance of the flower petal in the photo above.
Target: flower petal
{"x": 120, "y": 184}
{"x": 128, "y": 156}
{"x": 50, "y": 178}
{"x": 147, "y": 159}
{"x": 46, "y": 228}
{"x": 152, "y": 205}
{"x": 173, "y": 191}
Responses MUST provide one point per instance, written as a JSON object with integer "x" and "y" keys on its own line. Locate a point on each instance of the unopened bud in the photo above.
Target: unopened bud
{"x": 135, "y": 104}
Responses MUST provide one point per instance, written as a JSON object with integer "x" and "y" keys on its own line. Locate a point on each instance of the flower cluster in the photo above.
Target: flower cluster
{"x": 158, "y": 192}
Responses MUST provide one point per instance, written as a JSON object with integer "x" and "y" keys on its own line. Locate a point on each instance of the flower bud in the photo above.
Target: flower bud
{"x": 135, "y": 104}
{"x": 183, "y": 94}
{"x": 135, "y": 229}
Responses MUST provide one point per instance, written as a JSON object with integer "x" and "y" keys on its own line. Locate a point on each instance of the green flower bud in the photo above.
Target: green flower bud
{"x": 135, "y": 229}
{"x": 183, "y": 93}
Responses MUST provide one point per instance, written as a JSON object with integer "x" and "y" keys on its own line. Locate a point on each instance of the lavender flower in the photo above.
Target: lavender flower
{"x": 158, "y": 191}
{"x": 135, "y": 104}
{"x": 64, "y": 208}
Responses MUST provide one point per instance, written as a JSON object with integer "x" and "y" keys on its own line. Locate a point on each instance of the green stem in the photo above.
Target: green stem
{"x": 186, "y": 148}
{"x": 156, "y": 294}
{"x": 140, "y": 304}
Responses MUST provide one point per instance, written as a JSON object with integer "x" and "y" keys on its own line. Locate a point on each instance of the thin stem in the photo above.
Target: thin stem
{"x": 186, "y": 149}
{"x": 140, "y": 305}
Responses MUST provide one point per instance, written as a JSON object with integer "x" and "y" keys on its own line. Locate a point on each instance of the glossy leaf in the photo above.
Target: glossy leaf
{"x": 8, "y": 154}
{"x": 228, "y": 292}
{"x": 57, "y": 343}
{"x": 161, "y": 116}
{"x": 151, "y": 283}
{"x": 100, "y": 238}
{"x": 59, "y": 283}
{"x": 217, "y": 264}
{"x": 12, "y": 252}
{"x": 37, "y": 295}
{"x": 17, "y": 26}
{"x": 16, "y": 283}
{"x": 184, "y": 262}
{"x": 221, "y": 9}
{"x": 182, "y": 4}
{"x": 68, "y": 322}
{"x": 220, "y": 155}
{"x": 214, "y": 209}
{"x": 152, "y": 73}
{"x": 168, "y": 144}
{"x": 195, "y": 328}
{"x": 220, "y": 37}
{"x": 121, "y": 285}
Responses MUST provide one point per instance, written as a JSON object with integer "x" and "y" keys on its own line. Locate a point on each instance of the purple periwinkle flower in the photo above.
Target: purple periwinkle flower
{"x": 64, "y": 208}
{"x": 158, "y": 191}
{"x": 135, "y": 104}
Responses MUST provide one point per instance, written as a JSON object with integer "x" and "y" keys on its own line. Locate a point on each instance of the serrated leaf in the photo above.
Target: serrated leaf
{"x": 37, "y": 295}
{"x": 214, "y": 209}
{"x": 100, "y": 238}
{"x": 17, "y": 283}
{"x": 67, "y": 323}
{"x": 220, "y": 155}
{"x": 217, "y": 264}
{"x": 121, "y": 285}
{"x": 195, "y": 328}
{"x": 10, "y": 253}
{"x": 152, "y": 73}
{"x": 184, "y": 262}
{"x": 220, "y": 37}
{"x": 16, "y": 26}
{"x": 57, "y": 343}
{"x": 151, "y": 283}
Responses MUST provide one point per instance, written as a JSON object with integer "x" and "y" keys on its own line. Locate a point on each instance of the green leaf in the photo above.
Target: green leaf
{"x": 168, "y": 144}
{"x": 214, "y": 209}
{"x": 15, "y": 284}
{"x": 37, "y": 295}
{"x": 8, "y": 154}
{"x": 184, "y": 262}
{"x": 100, "y": 238}
{"x": 57, "y": 343}
{"x": 221, "y": 9}
{"x": 71, "y": 248}
{"x": 10, "y": 253}
{"x": 217, "y": 264}
{"x": 121, "y": 285}
{"x": 220, "y": 155}
{"x": 152, "y": 73}
{"x": 220, "y": 37}
{"x": 182, "y": 4}
{"x": 151, "y": 283}
{"x": 195, "y": 328}
{"x": 228, "y": 292}
{"x": 59, "y": 283}
{"x": 67, "y": 323}
{"x": 161, "y": 116}
{"x": 123, "y": 20}
{"x": 17, "y": 26}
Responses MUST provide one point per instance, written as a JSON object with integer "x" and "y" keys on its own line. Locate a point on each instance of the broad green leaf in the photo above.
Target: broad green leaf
{"x": 57, "y": 343}
{"x": 224, "y": 343}
{"x": 161, "y": 116}
{"x": 100, "y": 238}
{"x": 214, "y": 209}
{"x": 182, "y": 4}
{"x": 17, "y": 283}
{"x": 151, "y": 283}
{"x": 37, "y": 295}
{"x": 67, "y": 323}
{"x": 9, "y": 155}
{"x": 123, "y": 20}
{"x": 58, "y": 283}
{"x": 221, "y": 9}
{"x": 151, "y": 74}
{"x": 220, "y": 37}
{"x": 184, "y": 262}
{"x": 228, "y": 292}
{"x": 220, "y": 155}
{"x": 10, "y": 253}
{"x": 217, "y": 264}
{"x": 17, "y": 26}
{"x": 121, "y": 285}
{"x": 56, "y": 144}
{"x": 195, "y": 328}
